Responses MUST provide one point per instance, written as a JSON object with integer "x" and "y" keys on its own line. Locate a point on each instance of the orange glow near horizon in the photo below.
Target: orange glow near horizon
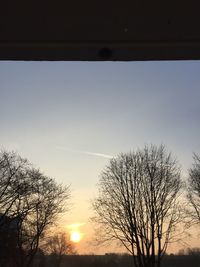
{"x": 75, "y": 233}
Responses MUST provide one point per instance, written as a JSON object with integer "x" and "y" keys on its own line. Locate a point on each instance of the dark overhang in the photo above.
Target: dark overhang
{"x": 99, "y": 30}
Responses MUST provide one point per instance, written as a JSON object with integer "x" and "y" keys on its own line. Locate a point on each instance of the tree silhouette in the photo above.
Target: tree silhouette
{"x": 194, "y": 190}
{"x": 57, "y": 246}
{"x": 32, "y": 199}
{"x": 137, "y": 203}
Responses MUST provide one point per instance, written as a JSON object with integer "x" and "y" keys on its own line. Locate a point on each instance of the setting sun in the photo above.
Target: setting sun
{"x": 75, "y": 236}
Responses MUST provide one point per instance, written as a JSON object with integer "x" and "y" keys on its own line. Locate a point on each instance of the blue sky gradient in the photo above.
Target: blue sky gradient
{"x": 61, "y": 115}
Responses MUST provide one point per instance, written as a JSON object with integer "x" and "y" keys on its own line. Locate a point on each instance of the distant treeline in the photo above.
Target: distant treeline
{"x": 114, "y": 260}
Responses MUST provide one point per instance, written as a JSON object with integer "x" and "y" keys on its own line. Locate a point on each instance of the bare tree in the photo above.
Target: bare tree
{"x": 193, "y": 194}
{"x": 137, "y": 203}
{"x": 11, "y": 166}
{"x": 35, "y": 203}
{"x": 58, "y": 245}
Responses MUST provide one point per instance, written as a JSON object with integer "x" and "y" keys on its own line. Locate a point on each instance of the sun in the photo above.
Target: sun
{"x": 75, "y": 236}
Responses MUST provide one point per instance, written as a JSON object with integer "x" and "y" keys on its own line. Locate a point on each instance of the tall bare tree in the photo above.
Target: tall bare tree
{"x": 32, "y": 200}
{"x": 137, "y": 203}
{"x": 194, "y": 189}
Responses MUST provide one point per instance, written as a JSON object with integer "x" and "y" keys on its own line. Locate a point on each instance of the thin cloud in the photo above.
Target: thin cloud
{"x": 85, "y": 152}
{"x": 74, "y": 226}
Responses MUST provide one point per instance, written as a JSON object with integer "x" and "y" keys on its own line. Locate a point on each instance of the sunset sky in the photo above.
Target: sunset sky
{"x": 70, "y": 118}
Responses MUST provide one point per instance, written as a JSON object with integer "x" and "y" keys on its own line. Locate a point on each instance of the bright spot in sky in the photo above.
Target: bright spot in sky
{"x": 75, "y": 236}
{"x": 75, "y": 233}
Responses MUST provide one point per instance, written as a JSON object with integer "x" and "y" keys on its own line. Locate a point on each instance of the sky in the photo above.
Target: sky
{"x": 70, "y": 118}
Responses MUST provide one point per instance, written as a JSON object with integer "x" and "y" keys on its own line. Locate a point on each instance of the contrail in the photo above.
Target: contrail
{"x": 85, "y": 152}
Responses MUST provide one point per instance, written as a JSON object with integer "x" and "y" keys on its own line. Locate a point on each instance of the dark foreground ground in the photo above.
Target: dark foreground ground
{"x": 114, "y": 260}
